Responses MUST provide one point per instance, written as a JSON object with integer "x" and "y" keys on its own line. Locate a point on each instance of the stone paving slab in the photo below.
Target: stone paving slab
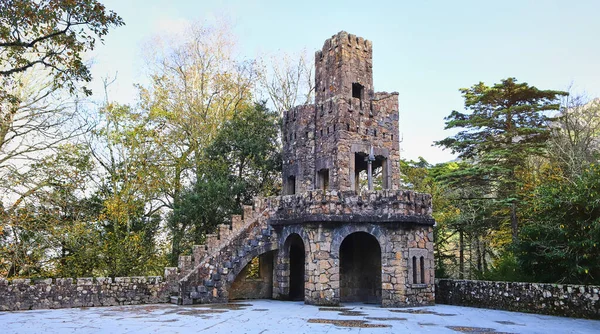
{"x": 268, "y": 316}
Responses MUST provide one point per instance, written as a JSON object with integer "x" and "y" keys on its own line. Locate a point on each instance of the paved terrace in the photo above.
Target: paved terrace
{"x": 267, "y": 316}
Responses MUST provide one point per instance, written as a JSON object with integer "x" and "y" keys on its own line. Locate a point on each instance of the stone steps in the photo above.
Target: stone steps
{"x": 204, "y": 276}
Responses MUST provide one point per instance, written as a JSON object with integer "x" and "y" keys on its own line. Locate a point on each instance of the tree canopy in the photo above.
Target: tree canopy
{"x": 53, "y": 34}
{"x": 505, "y": 124}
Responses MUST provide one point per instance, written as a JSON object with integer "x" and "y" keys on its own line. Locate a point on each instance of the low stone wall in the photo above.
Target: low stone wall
{"x": 26, "y": 294}
{"x": 579, "y": 301}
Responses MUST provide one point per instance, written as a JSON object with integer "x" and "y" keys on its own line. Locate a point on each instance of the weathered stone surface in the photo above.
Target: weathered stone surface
{"x": 20, "y": 294}
{"x": 554, "y": 299}
{"x": 322, "y": 141}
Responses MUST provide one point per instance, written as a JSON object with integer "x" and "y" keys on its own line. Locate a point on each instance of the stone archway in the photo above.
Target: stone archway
{"x": 295, "y": 247}
{"x": 360, "y": 268}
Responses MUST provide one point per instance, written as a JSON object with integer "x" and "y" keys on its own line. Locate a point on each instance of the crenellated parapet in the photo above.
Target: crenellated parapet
{"x": 325, "y": 144}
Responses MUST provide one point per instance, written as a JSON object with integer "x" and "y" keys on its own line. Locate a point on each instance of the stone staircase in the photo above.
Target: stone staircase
{"x": 206, "y": 275}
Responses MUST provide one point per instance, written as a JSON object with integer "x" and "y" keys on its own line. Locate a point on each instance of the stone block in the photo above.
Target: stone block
{"x": 85, "y": 281}
{"x": 43, "y": 281}
{"x": 103, "y": 280}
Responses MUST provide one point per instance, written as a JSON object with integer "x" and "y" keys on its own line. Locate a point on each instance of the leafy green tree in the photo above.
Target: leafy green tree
{"x": 243, "y": 161}
{"x": 505, "y": 124}
{"x": 248, "y": 145}
{"x": 50, "y": 222}
{"x": 127, "y": 195}
{"x": 560, "y": 240}
{"x": 53, "y": 34}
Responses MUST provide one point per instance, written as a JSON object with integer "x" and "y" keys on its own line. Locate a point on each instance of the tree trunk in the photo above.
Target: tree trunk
{"x": 461, "y": 255}
{"x": 514, "y": 223}
{"x": 478, "y": 252}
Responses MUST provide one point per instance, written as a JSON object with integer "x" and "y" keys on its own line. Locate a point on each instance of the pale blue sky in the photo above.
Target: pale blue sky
{"x": 425, "y": 50}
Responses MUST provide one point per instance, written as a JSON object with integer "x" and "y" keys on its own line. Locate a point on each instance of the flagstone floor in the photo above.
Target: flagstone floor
{"x": 268, "y": 316}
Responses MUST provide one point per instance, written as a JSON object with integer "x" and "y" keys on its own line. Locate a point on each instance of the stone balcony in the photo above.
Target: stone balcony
{"x": 384, "y": 206}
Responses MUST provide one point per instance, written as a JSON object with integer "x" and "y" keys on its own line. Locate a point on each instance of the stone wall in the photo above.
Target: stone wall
{"x": 579, "y": 301}
{"x": 323, "y": 241}
{"x": 260, "y": 287}
{"x": 325, "y": 143}
{"x": 347, "y": 206}
{"x": 26, "y": 294}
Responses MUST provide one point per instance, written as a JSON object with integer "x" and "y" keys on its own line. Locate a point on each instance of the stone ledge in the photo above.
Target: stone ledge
{"x": 353, "y": 218}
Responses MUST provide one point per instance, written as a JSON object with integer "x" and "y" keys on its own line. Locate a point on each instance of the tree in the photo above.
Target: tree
{"x": 287, "y": 80}
{"x": 575, "y": 140}
{"x": 247, "y": 144}
{"x": 562, "y": 228}
{"x": 39, "y": 231}
{"x": 244, "y": 161}
{"x": 196, "y": 86}
{"x": 127, "y": 192}
{"x": 53, "y": 34}
{"x": 39, "y": 122}
{"x": 505, "y": 124}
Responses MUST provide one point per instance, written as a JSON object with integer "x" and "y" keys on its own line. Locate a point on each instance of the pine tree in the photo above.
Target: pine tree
{"x": 503, "y": 126}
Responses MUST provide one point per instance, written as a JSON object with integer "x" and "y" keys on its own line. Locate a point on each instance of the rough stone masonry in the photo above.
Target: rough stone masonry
{"x": 343, "y": 231}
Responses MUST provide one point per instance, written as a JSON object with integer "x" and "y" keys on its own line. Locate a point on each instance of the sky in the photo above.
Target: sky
{"x": 424, "y": 50}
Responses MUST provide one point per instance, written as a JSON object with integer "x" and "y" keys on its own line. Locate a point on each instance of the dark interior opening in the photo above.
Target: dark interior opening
{"x": 414, "y": 263}
{"x": 360, "y": 269}
{"x": 357, "y": 90}
{"x": 323, "y": 179}
{"x": 422, "y": 269}
{"x": 296, "y": 267}
{"x": 291, "y": 185}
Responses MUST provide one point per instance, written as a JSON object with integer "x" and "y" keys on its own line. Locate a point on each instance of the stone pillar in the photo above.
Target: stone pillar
{"x": 322, "y": 269}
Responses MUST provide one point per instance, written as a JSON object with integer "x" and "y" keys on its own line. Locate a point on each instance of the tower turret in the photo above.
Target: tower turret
{"x": 349, "y": 121}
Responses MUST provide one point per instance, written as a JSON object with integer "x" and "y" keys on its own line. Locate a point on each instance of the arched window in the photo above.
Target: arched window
{"x": 422, "y": 267}
{"x": 414, "y": 265}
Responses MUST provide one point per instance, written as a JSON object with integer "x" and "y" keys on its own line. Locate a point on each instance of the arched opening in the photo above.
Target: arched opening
{"x": 379, "y": 172}
{"x": 296, "y": 265}
{"x": 360, "y": 269}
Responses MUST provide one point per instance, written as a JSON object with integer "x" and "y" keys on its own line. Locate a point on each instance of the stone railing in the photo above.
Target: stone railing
{"x": 580, "y": 301}
{"x": 347, "y": 206}
{"x": 27, "y": 294}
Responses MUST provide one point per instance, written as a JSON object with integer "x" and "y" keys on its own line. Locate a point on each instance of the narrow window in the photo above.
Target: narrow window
{"x": 392, "y": 137}
{"x": 323, "y": 179}
{"x": 321, "y": 132}
{"x": 291, "y": 185}
{"x": 306, "y": 135}
{"x": 348, "y": 127}
{"x": 422, "y": 270}
{"x": 414, "y": 268}
{"x": 357, "y": 90}
{"x": 375, "y": 133}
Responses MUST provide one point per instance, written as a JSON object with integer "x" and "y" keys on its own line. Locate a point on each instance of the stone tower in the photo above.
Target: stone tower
{"x": 327, "y": 145}
{"x": 324, "y": 241}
